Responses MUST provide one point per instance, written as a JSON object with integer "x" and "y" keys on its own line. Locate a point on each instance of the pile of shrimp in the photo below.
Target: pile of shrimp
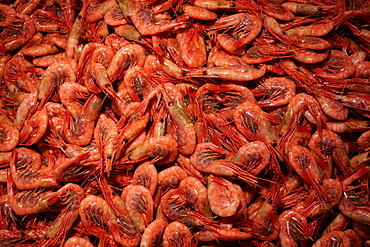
{"x": 185, "y": 123}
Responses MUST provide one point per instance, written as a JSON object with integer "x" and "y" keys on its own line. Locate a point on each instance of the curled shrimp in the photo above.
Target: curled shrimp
{"x": 351, "y": 125}
{"x": 198, "y": 13}
{"x": 146, "y": 175}
{"x": 294, "y": 228}
{"x": 73, "y": 170}
{"x": 152, "y": 235}
{"x": 6, "y": 14}
{"x": 223, "y": 197}
{"x": 331, "y": 107}
{"x": 333, "y": 238}
{"x": 244, "y": 28}
{"x": 144, "y": 21}
{"x": 317, "y": 29}
{"x": 77, "y": 241}
{"x": 34, "y": 128}
{"x": 210, "y": 158}
{"x": 171, "y": 177}
{"x": 176, "y": 233}
{"x": 139, "y": 205}
{"x": 70, "y": 93}
{"x": 81, "y": 131}
{"x": 9, "y": 134}
{"x": 277, "y": 91}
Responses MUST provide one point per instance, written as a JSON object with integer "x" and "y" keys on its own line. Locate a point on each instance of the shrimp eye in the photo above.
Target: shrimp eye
{"x": 283, "y": 33}
{"x": 101, "y": 37}
{"x": 204, "y": 72}
{"x": 161, "y": 120}
{"x": 107, "y": 85}
{"x": 269, "y": 201}
{"x": 241, "y": 230}
{"x": 235, "y": 175}
{"x": 125, "y": 140}
{"x": 232, "y": 5}
{"x": 64, "y": 147}
{"x": 109, "y": 157}
{"x": 46, "y": 237}
{"x": 195, "y": 118}
{"x": 140, "y": 38}
{"x": 114, "y": 193}
{"x": 171, "y": 103}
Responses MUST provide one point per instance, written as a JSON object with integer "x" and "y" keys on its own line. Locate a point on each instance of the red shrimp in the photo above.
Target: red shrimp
{"x": 146, "y": 175}
{"x": 210, "y": 158}
{"x": 333, "y": 108}
{"x": 244, "y": 28}
{"x": 81, "y": 131}
{"x": 364, "y": 140}
{"x": 310, "y": 56}
{"x": 144, "y": 21}
{"x": 171, "y": 177}
{"x": 253, "y": 157}
{"x": 223, "y": 197}
{"x": 140, "y": 207}
{"x": 6, "y": 15}
{"x": 152, "y": 235}
{"x": 333, "y": 238}
{"x": 77, "y": 241}
{"x": 223, "y": 233}
{"x": 293, "y": 228}
{"x": 339, "y": 223}
{"x": 25, "y": 109}
{"x": 34, "y": 128}
{"x": 176, "y": 234}
{"x": 30, "y": 179}
{"x": 276, "y": 91}
{"x": 349, "y": 126}
{"x": 317, "y": 29}
{"x": 198, "y": 13}
{"x": 9, "y": 134}
{"x": 302, "y": 8}
{"x": 73, "y": 169}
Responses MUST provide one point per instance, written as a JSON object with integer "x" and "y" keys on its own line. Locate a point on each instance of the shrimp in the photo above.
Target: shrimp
{"x": 302, "y": 8}
{"x": 70, "y": 93}
{"x": 47, "y": 21}
{"x": 147, "y": 176}
{"x": 9, "y": 134}
{"x": 253, "y": 157}
{"x": 29, "y": 179}
{"x": 223, "y": 233}
{"x": 338, "y": 66}
{"x": 54, "y": 76}
{"x": 196, "y": 193}
{"x": 152, "y": 235}
{"x": 210, "y": 158}
{"x": 332, "y": 108}
{"x": 34, "y": 128}
{"x": 73, "y": 170}
{"x": 114, "y": 17}
{"x": 244, "y": 28}
{"x": 185, "y": 130}
{"x": 171, "y": 177}
{"x": 192, "y": 47}
{"x": 96, "y": 10}
{"x": 214, "y": 4}
{"x": 140, "y": 207}
{"x": 77, "y": 241}
{"x": 163, "y": 150}
{"x": 310, "y": 56}
{"x": 176, "y": 234}
{"x": 144, "y": 21}
{"x": 352, "y": 205}
{"x": 240, "y": 73}
{"x": 314, "y": 43}
{"x": 105, "y": 134}
{"x": 333, "y": 238}
{"x": 81, "y": 131}
{"x": 276, "y": 10}
{"x": 20, "y": 30}
{"x": 265, "y": 222}
{"x": 316, "y": 29}
{"x": 354, "y": 238}
{"x": 339, "y": 223}
{"x": 364, "y": 140}
{"x": 198, "y": 13}
{"x": 6, "y": 15}
{"x": 293, "y": 228}
{"x": 349, "y": 126}
{"x": 223, "y": 197}
{"x": 277, "y": 91}
{"x": 327, "y": 145}
{"x": 25, "y": 109}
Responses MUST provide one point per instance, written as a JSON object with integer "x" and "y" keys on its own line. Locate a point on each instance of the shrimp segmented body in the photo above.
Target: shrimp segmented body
{"x": 176, "y": 234}
{"x": 9, "y": 134}
{"x": 152, "y": 235}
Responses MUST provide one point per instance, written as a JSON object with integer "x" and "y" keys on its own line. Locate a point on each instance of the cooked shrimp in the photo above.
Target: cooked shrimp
{"x": 244, "y": 28}
{"x": 333, "y": 108}
{"x": 147, "y": 176}
{"x": 70, "y": 93}
{"x": 144, "y": 21}
{"x": 152, "y": 235}
{"x": 214, "y": 4}
{"x": 6, "y": 14}
{"x": 81, "y": 131}
{"x": 310, "y": 56}
{"x": 198, "y": 13}
{"x": 348, "y": 126}
{"x": 364, "y": 140}
{"x": 223, "y": 197}
{"x": 77, "y": 242}
{"x": 333, "y": 238}
{"x": 171, "y": 177}
{"x": 302, "y": 8}
{"x": 25, "y": 109}
{"x": 176, "y": 234}
{"x": 34, "y": 128}
{"x": 73, "y": 169}
{"x": 210, "y": 158}
{"x": 317, "y": 29}
{"x": 9, "y": 134}
{"x": 294, "y": 228}
{"x": 140, "y": 207}
{"x": 97, "y": 9}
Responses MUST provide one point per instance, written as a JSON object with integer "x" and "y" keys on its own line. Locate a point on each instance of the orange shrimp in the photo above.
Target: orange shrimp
{"x": 196, "y": 193}
{"x": 114, "y": 17}
{"x": 253, "y": 156}
{"x": 77, "y": 241}
{"x": 223, "y": 233}
{"x": 136, "y": 83}
{"x": 147, "y": 176}
{"x": 176, "y": 234}
{"x": 171, "y": 177}
{"x": 339, "y": 223}
{"x": 25, "y": 109}
{"x": 140, "y": 207}
{"x": 6, "y": 14}
{"x": 34, "y": 128}
{"x": 152, "y": 235}
{"x": 331, "y": 107}
{"x": 192, "y": 47}
{"x": 144, "y": 21}
{"x": 223, "y": 197}
{"x": 70, "y": 93}
{"x": 333, "y": 238}
{"x": 97, "y": 9}
{"x": 277, "y": 91}
{"x": 244, "y": 28}
{"x": 198, "y": 13}
{"x": 349, "y": 126}
{"x": 81, "y": 131}
{"x": 310, "y": 57}
{"x": 210, "y": 158}
{"x": 9, "y": 134}
{"x": 214, "y": 4}
{"x": 364, "y": 140}
{"x": 105, "y": 134}
{"x": 73, "y": 170}
{"x": 317, "y": 29}
{"x": 293, "y": 228}
{"x": 302, "y": 8}
{"x": 29, "y": 179}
